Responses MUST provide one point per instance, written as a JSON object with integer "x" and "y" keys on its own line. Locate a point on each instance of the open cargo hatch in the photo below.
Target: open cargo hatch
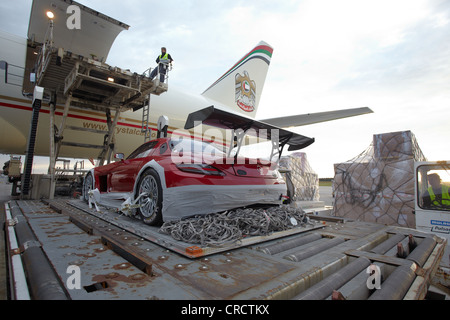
{"x": 94, "y": 38}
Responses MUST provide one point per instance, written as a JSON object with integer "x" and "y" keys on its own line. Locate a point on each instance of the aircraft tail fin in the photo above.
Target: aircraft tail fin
{"x": 240, "y": 87}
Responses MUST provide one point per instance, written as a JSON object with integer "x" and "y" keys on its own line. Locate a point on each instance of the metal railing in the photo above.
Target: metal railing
{"x": 45, "y": 52}
{"x": 157, "y": 76}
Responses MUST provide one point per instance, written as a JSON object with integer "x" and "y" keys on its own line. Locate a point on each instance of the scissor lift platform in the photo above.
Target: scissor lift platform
{"x": 84, "y": 83}
{"x": 95, "y": 85}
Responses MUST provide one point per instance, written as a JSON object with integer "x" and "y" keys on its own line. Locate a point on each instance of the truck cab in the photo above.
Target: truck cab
{"x": 432, "y": 205}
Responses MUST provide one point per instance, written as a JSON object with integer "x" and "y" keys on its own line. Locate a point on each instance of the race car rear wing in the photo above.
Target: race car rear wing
{"x": 241, "y": 126}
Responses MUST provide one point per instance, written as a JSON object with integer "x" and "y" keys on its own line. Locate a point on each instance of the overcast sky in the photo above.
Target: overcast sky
{"x": 392, "y": 56}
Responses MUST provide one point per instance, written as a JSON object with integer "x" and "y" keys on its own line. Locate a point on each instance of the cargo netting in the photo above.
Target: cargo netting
{"x": 217, "y": 229}
{"x": 303, "y": 177}
{"x": 378, "y": 184}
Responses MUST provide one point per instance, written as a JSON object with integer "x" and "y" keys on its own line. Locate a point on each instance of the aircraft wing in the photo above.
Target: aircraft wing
{"x": 311, "y": 118}
{"x": 227, "y": 120}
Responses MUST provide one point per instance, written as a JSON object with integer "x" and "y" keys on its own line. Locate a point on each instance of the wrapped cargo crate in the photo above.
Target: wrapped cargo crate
{"x": 303, "y": 177}
{"x": 378, "y": 185}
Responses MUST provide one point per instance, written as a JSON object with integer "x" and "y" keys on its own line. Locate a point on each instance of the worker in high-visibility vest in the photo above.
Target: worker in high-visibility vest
{"x": 437, "y": 195}
{"x": 163, "y": 61}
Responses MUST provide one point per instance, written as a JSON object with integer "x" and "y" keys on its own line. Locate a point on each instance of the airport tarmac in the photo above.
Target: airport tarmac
{"x": 326, "y": 196}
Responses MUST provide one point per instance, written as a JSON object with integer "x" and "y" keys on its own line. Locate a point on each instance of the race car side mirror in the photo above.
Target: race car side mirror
{"x": 119, "y": 156}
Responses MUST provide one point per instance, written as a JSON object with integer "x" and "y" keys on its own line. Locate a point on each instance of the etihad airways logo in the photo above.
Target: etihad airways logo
{"x": 245, "y": 94}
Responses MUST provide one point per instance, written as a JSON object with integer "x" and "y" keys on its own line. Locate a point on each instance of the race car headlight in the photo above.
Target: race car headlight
{"x": 200, "y": 169}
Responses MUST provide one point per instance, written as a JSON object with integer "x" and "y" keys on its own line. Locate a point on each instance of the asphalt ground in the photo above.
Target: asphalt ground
{"x": 326, "y": 195}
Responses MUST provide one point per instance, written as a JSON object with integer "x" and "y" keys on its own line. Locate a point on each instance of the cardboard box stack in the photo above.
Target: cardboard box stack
{"x": 378, "y": 185}
{"x": 304, "y": 179}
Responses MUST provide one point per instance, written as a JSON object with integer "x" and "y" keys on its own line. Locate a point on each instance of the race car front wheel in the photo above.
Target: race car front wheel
{"x": 149, "y": 192}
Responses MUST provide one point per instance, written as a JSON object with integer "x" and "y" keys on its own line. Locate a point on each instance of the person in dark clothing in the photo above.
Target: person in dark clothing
{"x": 163, "y": 61}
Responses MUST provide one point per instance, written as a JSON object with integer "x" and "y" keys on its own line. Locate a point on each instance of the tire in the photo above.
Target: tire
{"x": 88, "y": 185}
{"x": 150, "y": 209}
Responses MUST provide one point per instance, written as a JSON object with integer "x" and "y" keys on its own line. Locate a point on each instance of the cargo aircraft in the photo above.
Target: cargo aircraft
{"x": 237, "y": 91}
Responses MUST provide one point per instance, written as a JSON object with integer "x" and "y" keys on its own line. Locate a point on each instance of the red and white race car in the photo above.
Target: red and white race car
{"x": 167, "y": 179}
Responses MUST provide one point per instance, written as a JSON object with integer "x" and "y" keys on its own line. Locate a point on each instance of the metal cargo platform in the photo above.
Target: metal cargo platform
{"x": 116, "y": 261}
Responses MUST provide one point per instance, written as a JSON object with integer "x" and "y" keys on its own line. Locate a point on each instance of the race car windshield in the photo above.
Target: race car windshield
{"x": 143, "y": 150}
{"x": 194, "y": 146}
